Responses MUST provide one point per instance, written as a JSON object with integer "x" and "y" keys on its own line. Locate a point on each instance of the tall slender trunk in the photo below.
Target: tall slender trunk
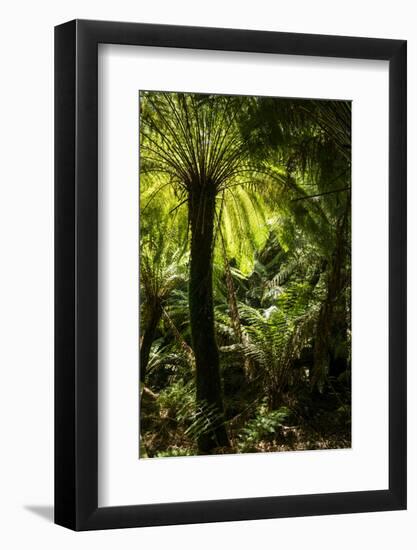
{"x": 148, "y": 337}
{"x": 202, "y": 206}
{"x": 335, "y": 285}
{"x": 240, "y": 336}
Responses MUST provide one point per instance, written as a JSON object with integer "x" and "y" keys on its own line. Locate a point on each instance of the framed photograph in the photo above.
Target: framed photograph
{"x": 230, "y": 284}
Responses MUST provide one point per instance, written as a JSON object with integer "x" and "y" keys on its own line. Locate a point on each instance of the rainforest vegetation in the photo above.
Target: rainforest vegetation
{"x": 245, "y": 274}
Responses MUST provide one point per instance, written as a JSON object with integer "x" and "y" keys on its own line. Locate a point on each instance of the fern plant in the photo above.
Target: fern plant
{"x": 263, "y": 427}
{"x": 277, "y": 336}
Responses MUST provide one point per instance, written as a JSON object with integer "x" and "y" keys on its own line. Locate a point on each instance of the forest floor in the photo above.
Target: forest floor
{"x": 313, "y": 424}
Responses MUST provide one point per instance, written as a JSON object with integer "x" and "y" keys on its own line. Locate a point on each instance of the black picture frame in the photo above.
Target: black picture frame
{"x": 76, "y": 271}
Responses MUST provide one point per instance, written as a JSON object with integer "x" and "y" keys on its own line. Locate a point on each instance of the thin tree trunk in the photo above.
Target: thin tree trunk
{"x": 187, "y": 349}
{"x": 148, "y": 338}
{"x": 231, "y": 296}
{"x": 326, "y": 316}
{"x": 209, "y": 393}
{"x": 240, "y": 336}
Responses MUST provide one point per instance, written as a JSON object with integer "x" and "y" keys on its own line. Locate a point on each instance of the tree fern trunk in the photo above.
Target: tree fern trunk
{"x": 325, "y": 324}
{"x": 148, "y": 338}
{"x": 209, "y": 394}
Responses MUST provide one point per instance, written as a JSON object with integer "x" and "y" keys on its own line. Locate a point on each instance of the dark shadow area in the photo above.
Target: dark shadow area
{"x": 45, "y": 512}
